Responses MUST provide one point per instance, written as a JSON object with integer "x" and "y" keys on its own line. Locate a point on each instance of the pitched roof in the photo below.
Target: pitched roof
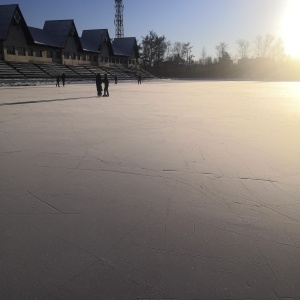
{"x": 43, "y": 37}
{"x": 61, "y": 29}
{"x": 6, "y": 15}
{"x": 12, "y": 14}
{"x": 93, "y": 40}
{"x": 125, "y": 46}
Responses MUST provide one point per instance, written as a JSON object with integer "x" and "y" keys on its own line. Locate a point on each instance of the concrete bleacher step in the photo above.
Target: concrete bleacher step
{"x": 95, "y": 70}
{"x": 54, "y": 70}
{"x": 28, "y": 70}
{"x": 127, "y": 73}
{"x": 21, "y": 70}
{"x": 82, "y": 71}
{"x": 8, "y": 72}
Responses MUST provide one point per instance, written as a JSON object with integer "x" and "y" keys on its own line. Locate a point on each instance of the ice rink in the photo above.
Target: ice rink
{"x": 165, "y": 190}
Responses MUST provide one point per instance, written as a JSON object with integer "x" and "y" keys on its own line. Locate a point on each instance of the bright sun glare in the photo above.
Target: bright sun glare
{"x": 290, "y": 28}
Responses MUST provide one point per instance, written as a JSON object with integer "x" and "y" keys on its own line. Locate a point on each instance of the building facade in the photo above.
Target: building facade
{"x": 59, "y": 42}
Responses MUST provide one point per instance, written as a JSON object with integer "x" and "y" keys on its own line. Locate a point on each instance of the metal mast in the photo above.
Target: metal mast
{"x": 119, "y": 18}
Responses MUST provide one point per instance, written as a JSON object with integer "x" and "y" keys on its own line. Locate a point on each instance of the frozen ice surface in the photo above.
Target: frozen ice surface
{"x": 166, "y": 190}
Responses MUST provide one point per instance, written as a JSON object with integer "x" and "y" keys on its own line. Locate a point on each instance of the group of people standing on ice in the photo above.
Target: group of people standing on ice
{"x": 63, "y": 79}
{"x": 99, "y": 82}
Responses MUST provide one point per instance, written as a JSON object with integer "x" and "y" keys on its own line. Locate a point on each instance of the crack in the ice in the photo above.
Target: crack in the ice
{"x": 198, "y": 255}
{"x": 214, "y": 176}
{"x": 169, "y": 205}
{"x": 257, "y": 179}
{"x": 41, "y": 200}
{"x": 244, "y": 234}
{"x": 98, "y": 259}
{"x": 10, "y": 152}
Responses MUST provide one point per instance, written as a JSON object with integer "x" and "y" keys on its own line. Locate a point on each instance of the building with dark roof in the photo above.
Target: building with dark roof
{"x": 98, "y": 40}
{"x": 59, "y": 42}
{"x": 126, "y": 48}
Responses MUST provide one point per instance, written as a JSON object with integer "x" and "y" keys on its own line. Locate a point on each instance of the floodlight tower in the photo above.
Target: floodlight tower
{"x": 119, "y": 18}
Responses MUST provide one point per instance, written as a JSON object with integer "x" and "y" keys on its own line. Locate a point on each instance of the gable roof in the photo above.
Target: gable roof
{"x": 6, "y": 16}
{"x": 93, "y": 40}
{"x": 61, "y": 30}
{"x": 12, "y": 14}
{"x": 43, "y": 37}
{"x": 125, "y": 47}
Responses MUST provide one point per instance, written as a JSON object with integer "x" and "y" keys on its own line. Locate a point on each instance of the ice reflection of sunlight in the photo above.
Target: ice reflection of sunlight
{"x": 293, "y": 92}
{"x": 295, "y": 89}
{"x": 290, "y": 28}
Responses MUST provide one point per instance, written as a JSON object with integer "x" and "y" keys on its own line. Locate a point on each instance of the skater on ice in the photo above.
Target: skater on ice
{"x": 57, "y": 81}
{"x": 99, "y": 84}
{"x": 106, "y": 84}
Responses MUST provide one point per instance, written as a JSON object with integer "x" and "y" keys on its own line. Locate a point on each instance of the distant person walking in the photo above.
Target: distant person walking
{"x": 99, "y": 84}
{"x": 63, "y": 78}
{"x": 139, "y": 79}
{"x": 57, "y": 81}
{"x": 116, "y": 79}
{"x": 106, "y": 84}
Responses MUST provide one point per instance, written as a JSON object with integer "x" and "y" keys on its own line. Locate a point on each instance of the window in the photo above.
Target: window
{"x": 88, "y": 58}
{"x": 49, "y": 54}
{"x": 11, "y": 50}
{"x": 21, "y": 51}
{"x": 83, "y": 57}
{"x": 67, "y": 55}
{"x": 17, "y": 17}
{"x": 39, "y": 53}
{"x": 94, "y": 58}
{"x": 74, "y": 56}
{"x": 57, "y": 54}
{"x": 30, "y": 52}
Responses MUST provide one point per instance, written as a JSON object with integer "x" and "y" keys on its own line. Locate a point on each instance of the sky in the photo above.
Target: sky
{"x": 202, "y": 23}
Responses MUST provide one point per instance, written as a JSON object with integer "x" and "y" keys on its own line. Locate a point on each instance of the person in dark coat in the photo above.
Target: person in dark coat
{"x": 63, "y": 78}
{"x": 106, "y": 84}
{"x": 116, "y": 79}
{"x": 139, "y": 79}
{"x": 99, "y": 84}
{"x": 57, "y": 81}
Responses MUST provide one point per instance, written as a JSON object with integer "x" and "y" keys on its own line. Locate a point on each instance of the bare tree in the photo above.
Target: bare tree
{"x": 267, "y": 45}
{"x": 221, "y": 50}
{"x": 203, "y": 56}
{"x": 278, "y": 51}
{"x": 182, "y": 53}
{"x": 187, "y": 52}
{"x": 243, "y": 48}
{"x": 258, "y": 45}
{"x": 168, "y": 49}
{"x": 264, "y": 45}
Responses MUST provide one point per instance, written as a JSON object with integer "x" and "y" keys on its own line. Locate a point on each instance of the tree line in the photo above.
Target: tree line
{"x": 266, "y": 61}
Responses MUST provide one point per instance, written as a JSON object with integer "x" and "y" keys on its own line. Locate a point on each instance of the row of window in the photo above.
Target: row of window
{"x": 57, "y": 55}
{"x": 84, "y": 57}
{"x": 38, "y": 53}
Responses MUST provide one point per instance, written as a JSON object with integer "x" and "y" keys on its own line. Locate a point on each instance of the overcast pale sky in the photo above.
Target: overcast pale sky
{"x": 203, "y": 23}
